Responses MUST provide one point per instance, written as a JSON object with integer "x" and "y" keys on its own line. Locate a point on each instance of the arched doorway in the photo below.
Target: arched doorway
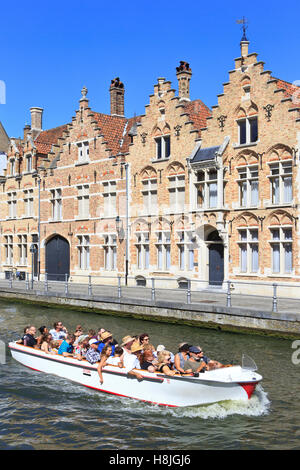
{"x": 215, "y": 258}
{"x": 57, "y": 258}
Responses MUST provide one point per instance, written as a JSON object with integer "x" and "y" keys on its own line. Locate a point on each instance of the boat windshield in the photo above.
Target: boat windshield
{"x": 248, "y": 363}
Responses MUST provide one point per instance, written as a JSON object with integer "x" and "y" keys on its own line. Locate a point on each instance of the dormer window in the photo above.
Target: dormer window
{"x": 163, "y": 147}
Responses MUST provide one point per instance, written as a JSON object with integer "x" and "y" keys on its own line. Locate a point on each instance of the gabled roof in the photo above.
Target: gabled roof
{"x": 46, "y": 139}
{"x": 112, "y": 128}
{"x": 198, "y": 113}
{"x": 287, "y": 86}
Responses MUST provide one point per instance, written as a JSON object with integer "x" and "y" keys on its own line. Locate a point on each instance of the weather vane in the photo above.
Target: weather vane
{"x": 243, "y": 22}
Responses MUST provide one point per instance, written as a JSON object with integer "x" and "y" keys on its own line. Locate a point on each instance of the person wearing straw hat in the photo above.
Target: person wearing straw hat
{"x": 131, "y": 359}
{"x": 106, "y": 339}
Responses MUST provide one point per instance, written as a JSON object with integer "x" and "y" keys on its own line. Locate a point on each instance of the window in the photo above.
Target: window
{"x": 163, "y": 147}
{"x": 142, "y": 248}
{"x": 28, "y": 202}
{"x": 22, "y": 248}
{"x": 12, "y": 167}
{"x": 282, "y": 254}
{"x": 83, "y": 152}
{"x": 28, "y": 163}
{"x": 207, "y": 189}
{"x": 149, "y": 192}
{"x": 110, "y": 198}
{"x": 281, "y": 182}
{"x": 248, "y": 244}
{"x": 177, "y": 193}
{"x": 247, "y": 131}
{"x": 110, "y": 252}
{"x": 163, "y": 248}
{"x": 83, "y": 201}
{"x": 83, "y": 248}
{"x": 185, "y": 251}
{"x": 8, "y": 245}
{"x": 56, "y": 204}
{"x": 248, "y": 185}
{"x": 12, "y": 205}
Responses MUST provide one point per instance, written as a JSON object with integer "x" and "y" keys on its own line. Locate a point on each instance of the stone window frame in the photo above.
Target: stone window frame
{"x": 83, "y": 248}
{"x": 83, "y": 149}
{"x": 163, "y": 249}
{"x": 28, "y": 199}
{"x": 184, "y": 243}
{"x": 56, "y": 203}
{"x": 248, "y": 140}
{"x": 248, "y": 242}
{"x": 83, "y": 198}
{"x": 162, "y": 147}
{"x": 280, "y": 176}
{"x": 9, "y": 249}
{"x": 109, "y": 198}
{"x": 247, "y": 169}
{"x": 12, "y": 204}
{"x": 206, "y": 182}
{"x": 110, "y": 251}
{"x": 142, "y": 245}
{"x": 281, "y": 242}
{"x": 23, "y": 249}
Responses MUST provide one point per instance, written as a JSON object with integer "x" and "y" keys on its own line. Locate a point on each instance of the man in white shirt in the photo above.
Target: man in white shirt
{"x": 130, "y": 356}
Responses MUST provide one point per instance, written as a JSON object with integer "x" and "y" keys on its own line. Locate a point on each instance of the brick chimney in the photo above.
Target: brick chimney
{"x": 36, "y": 121}
{"x": 184, "y": 74}
{"x": 117, "y": 92}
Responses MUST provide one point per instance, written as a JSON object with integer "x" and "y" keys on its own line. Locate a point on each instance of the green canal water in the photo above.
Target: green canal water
{"x": 39, "y": 411}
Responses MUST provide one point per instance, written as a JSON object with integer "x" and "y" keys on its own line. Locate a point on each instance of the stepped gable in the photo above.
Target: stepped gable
{"x": 112, "y": 129}
{"x": 198, "y": 113}
{"x": 46, "y": 139}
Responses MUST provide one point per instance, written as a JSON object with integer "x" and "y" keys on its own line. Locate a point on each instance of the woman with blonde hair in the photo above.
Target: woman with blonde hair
{"x": 163, "y": 365}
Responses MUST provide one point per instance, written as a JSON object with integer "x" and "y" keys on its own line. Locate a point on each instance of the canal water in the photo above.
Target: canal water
{"x": 46, "y": 412}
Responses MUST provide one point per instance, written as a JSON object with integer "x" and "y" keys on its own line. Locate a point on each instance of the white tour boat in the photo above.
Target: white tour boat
{"x": 227, "y": 383}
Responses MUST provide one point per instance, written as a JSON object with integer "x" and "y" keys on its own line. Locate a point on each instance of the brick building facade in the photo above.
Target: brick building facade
{"x": 181, "y": 192}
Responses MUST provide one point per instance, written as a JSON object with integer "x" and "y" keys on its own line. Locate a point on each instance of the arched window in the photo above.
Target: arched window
{"x": 281, "y": 242}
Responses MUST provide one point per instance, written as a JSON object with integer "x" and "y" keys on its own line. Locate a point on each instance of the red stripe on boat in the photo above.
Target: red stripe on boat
{"x": 249, "y": 387}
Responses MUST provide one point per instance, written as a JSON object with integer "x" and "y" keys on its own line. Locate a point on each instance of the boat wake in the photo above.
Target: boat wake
{"x": 258, "y": 405}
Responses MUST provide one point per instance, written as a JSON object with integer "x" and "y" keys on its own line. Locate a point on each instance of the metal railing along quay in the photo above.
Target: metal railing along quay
{"x": 274, "y": 297}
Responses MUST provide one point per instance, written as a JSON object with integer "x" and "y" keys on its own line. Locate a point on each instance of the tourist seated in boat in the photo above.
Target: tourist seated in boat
{"x": 117, "y": 358}
{"x": 182, "y": 356}
{"x": 195, "y": 362}
{"x": 126, "y": 344}
{"x": 46, "y": 344}
{"x": 25, "y": 331}
{"x": 43, "y": 330}
{"x": 93, "y": 355}
{"x": 29, "y": 337}
{"x": 164, "y": 363}
{"x": 78, "y": 333}
{"x": 160, "y": 348}
{"x": 106, "y": 339}
{"x": 59, "y": 332}
{"x": 144, "y": 340}
{"x": 210, "y": 363}
{"x": 148, "y": 360}
{"x": 66, "y": 347}
{"x": 131, "y": 360}
{"x": 104, "y": 355}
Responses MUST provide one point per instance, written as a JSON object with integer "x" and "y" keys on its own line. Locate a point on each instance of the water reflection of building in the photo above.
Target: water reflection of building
{"x": 209, "y": 194}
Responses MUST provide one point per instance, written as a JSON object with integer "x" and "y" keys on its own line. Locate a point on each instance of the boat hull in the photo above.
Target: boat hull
{"x": 232, "y": 383}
